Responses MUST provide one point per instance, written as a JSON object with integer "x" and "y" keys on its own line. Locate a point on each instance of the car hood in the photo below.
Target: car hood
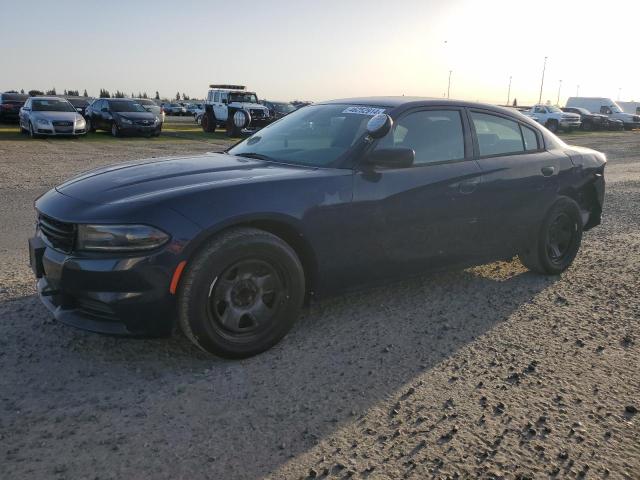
{"x": 136, "y": 115}
{"x": 248, "y": 105}
{"x": 157, "y": 179}
{"x": 52, "y": 116}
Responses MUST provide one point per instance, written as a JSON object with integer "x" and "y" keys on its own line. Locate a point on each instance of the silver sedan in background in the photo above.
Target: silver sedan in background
{"x": 50, "y": 116}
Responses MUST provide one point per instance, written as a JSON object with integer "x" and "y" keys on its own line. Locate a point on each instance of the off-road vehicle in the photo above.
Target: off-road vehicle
{"x": 235, "y": 109}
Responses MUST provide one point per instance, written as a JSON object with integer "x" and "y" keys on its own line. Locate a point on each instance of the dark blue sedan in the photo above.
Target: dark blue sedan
{"x": 335, "y": 196}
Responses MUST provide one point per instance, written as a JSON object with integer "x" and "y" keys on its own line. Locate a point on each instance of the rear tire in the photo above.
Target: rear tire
{"x": 208, "y": 122}
{"x": 89, "y": 126}
{"x": 558, "y": 239}
{"x": 241, "y": 293}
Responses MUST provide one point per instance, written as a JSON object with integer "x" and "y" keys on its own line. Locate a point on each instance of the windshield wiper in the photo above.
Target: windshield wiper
{"x": 257, "y": 156}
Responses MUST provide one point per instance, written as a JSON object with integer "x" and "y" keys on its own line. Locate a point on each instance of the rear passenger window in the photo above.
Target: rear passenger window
{"x": 530, "y": 139}
{"x": 497, "y": 135}
{"x": 435, "y": 136}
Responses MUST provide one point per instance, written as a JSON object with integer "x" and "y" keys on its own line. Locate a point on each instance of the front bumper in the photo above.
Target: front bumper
{"x": 128, "y": 295}
{"x": 140, "y": 129}
{"x": 570, "y": 123}
{"x": 61, "y": 132}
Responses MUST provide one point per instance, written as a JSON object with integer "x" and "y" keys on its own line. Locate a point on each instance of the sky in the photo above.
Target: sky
{"x": 324, "y": 49}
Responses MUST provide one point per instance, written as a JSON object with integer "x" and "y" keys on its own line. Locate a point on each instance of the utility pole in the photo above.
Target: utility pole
{"x": 544, "y": 67}
{"x": 449, "y": 84}
{"x": 559, "y": 87}
{"x": 619, "y": 90}
{"x": 577, "y": 90}
{"x": 509, "y": 91}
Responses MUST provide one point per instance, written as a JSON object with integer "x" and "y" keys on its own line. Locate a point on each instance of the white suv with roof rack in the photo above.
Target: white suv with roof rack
{"x": 234, "y": 108}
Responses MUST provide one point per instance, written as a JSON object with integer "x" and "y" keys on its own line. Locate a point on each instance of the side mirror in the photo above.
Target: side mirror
{"x": 392, "y": 157}
{"x": 79, "y": 110}
{"x": 105, "y": 109}
{"x": 379, "y": 125}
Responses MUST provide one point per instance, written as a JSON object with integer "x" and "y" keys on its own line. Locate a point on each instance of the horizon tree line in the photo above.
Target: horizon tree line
{"x": 104, "y": 93}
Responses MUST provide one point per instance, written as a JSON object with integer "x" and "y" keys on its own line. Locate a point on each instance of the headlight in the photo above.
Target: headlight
{"x": 156, "y": 120}
{"x": 119, "y": 238}
{"x": 79, "y": 121}
{"x": 42, "y": 121}
{"x": 125, "y": 121}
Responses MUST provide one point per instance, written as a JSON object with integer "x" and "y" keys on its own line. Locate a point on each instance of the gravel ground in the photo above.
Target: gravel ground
{"x": 491, "y": 372}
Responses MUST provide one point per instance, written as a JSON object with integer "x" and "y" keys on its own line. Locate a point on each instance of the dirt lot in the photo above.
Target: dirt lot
{"x": 490, "y": 372}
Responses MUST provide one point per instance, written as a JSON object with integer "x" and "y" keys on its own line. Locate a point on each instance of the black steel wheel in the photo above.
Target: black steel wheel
{"x": 558, "y": 240}
{"x": 241, "y": 293}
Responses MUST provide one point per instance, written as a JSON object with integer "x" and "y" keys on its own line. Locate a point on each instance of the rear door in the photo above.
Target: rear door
{"x": 520, "y": 180}
{"x": 424, "y": 216}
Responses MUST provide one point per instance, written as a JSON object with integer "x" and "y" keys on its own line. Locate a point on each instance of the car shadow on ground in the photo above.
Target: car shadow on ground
{"x": 205, "y": 417}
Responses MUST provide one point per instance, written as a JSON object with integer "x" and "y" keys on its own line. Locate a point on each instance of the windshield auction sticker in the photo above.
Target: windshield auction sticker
{"x": 364, "y": 110}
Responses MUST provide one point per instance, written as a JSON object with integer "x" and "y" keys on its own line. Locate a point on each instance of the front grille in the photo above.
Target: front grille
{"x": 93, "y": 308}
{"x": 60, "y": 235}
{"x": 64, "y": 129}
{"x": 145, "y": 123}
{"x": 257, "y": 113}
{"x": 62, "y": 123}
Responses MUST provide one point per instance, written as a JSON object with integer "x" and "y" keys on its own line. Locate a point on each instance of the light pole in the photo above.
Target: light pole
{"x": 619, "y": 90}
{"x": 577, "y": 90}
{"x": 449, "y": 84}
{"x": 558, "y": 100}
{"x": 509, "y": 91}
{"x": 544, "y": 66}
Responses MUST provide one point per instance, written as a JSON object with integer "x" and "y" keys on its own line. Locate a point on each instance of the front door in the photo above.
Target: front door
{"x": 424, "y": 216}
{"x": 220, "y": 106}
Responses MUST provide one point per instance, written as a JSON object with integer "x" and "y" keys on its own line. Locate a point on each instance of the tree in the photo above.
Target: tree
{"x": 144, "y": 95}
{"x": 104, "y": 93}
{"x": 85, "y": 93}
{"x": 119, "y": 94}
{"x": 157, "y": 97}
{"x": 73, "y": 93}
{"x": 22, "y": 91}
{"x": 185, "y": 96}
{"x": 52, "y": 91}
{"x": 515, "y": 102}
{"x": 177, "y": 95}
{"x": 34, "y": 93}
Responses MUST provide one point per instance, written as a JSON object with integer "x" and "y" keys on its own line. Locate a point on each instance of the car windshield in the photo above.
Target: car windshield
{"x": 78, "y": 102}
{"x": 553, "y": 109}
{"x": 52, "y": 105}
{"x": 243, "y": 97}
{"x": 126, "y": 107}
{"x": 13, "y": 97}
{"x": 318, "y": 136}
{"x": 143, "y": 101}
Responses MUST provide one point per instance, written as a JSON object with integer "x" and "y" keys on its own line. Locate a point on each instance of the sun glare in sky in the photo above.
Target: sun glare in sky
{"x": 326, "y": 49}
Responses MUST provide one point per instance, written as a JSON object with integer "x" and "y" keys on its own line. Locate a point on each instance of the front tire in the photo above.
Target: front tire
{"x": 115, "y": 131}
{"x": 241, "y": 293}
{"x": 558, "y": 240}
{"x": 552, "y": 126}
{"x": 208, "y": 122}
{"x": 32, "y": 132}
{"x": 89, "y": 126}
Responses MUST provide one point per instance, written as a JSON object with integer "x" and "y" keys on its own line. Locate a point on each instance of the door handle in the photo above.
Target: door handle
{"x": 548, "y": 171}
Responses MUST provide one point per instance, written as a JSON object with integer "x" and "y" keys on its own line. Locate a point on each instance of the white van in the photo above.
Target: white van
{"x": 607, "y": 107}
{"x": 630, "y": 107}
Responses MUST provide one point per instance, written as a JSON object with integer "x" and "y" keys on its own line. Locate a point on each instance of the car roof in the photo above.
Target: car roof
{"x": 43, "y": 97}
{"x": 402, "y": 101}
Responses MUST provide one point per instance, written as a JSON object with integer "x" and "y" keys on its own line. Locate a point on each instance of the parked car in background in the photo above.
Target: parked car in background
{"x": 174, "y": 109}
{"x": 51, "y": 116}
{"x": 588, "y": 120}
{"x": 79, "y": 103}
{"x": 630, "y": 107}
{"x": 607, "y": 107}
{"x": 122, "y": 116}
{"x": 555, "y": 119}
{"x": 410, "y": 184}
{"x": 10, "y": 105}
{"x": 278, "y": 110}
{"x": 234, "y": 108}
{"x": 151, "y": 106}
{"x": 195, "y": 108}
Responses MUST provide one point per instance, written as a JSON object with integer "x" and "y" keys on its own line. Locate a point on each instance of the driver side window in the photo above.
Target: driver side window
{"x": 434, "y": 135}
{"x": 216, "y": 97}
